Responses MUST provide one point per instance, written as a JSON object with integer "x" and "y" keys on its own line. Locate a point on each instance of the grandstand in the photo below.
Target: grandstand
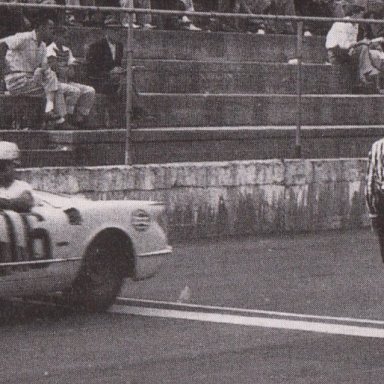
{"x": 213, "y": 97}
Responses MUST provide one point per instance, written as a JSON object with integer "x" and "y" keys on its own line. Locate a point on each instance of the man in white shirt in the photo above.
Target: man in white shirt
{"x": 15, "y": 194}
{"x": 79, "y": 98}
{"x": 342, "y": 46}
{"x": 27, "y": 72}
{"x": 342, "y": 37}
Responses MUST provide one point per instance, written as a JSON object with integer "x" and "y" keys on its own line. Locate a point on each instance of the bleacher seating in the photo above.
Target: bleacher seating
{"x": 217, "y": 96}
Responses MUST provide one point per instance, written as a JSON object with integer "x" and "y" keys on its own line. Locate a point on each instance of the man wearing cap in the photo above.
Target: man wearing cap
{"x": 15, "y": 195}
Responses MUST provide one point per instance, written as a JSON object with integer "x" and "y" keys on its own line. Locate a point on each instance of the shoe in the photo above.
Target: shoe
{"x": 260, "y": 32}
{"x": 185, "y": 20}
{"x": 65, "y": 127}
{"x": 51, "y": 116}
{"x": 111, "y": 21}
{"x": 191, "y": 27}
{"x": 126, "y": 25}
{"x": 293, "y": 61}
{"x": 148, "y": 26}
{"x": 308, "y": 34}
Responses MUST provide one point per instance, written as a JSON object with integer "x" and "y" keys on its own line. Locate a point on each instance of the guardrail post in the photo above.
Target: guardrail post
{"x": 299, "y": 56}
{"x": 129, "y": 79}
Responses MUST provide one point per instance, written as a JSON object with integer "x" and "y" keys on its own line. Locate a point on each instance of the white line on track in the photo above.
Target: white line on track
{"x": 289, "y": 322}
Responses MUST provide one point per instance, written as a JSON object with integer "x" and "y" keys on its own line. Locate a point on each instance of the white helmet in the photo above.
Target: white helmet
{"x": 9, "y": 151}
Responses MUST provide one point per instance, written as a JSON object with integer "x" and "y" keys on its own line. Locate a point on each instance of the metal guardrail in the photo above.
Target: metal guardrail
{"x": 130, "y": 13}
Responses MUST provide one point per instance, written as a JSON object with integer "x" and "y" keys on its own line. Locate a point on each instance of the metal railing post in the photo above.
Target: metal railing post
{"x": 129, "y": 88}
{"x": 299, "y": 56}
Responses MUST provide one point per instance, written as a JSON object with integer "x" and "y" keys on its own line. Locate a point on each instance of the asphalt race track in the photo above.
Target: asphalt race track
{"x": 302, "y": 309}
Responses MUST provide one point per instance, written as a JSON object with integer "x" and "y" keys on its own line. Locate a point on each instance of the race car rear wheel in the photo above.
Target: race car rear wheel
{"x": 100, "y": 277}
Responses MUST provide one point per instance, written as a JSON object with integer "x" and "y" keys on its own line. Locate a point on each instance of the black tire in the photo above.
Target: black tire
{"x": 100, "y": 278}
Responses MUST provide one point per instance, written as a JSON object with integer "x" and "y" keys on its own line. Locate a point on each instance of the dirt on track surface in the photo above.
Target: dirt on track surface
{"x": 327, "y": 274}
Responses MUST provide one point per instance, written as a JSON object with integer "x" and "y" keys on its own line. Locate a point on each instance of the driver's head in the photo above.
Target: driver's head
{"x": 9, "y": 159}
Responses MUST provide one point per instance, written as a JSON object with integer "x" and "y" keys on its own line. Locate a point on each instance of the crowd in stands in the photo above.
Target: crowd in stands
{"x": 21, "y": 20}
{"x": 39, "y": 63}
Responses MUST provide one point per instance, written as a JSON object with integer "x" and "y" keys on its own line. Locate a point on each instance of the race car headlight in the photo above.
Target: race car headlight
{"x": 141, "y": 220}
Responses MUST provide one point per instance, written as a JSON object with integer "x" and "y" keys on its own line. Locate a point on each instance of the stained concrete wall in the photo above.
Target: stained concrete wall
{"x": 228, "y": 198}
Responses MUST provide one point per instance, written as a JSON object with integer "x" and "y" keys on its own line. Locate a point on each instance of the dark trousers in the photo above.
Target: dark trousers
{"x": 378, "y": 225}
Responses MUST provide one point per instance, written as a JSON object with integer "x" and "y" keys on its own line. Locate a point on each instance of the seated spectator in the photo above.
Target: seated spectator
{"x": 78, "y": 17}
{"x": 27, "y": 72}
{"x": 35, "y": 14}
{"x": 342, "y": 47}
{"x": 104, "y": 62}
{"x": 318, "y": 8}
{"x": 342, "y": 37}
{"x": 11, "y": 20}
{"x": 257, "y": 7}
{"x": 140, "y": 20}
{"x": 79, "y": 97}
{"x": 183, "y": 22}
{"x": 143, "y": 21}
{"x": 106, "y": 74}
{"x": 285, "y": 8}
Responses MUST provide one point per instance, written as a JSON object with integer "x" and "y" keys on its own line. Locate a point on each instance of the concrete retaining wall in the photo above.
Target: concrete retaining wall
{"x": 228, "y": 198}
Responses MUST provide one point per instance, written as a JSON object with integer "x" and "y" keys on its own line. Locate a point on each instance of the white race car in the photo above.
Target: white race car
{"x": 80, "y": 247}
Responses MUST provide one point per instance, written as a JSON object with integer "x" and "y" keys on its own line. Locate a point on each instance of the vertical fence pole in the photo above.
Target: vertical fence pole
{"x": 129, "y": 79}
{"x": 299, "y": 56}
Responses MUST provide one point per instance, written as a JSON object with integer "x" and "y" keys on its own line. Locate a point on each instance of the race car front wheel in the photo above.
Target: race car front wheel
{"x": 100, "y": 277}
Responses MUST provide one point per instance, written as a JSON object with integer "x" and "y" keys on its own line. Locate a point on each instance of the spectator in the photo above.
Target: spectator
{"x": 11, "y": 20}
{"x": 319, "y": 8}
{"x": 282, "y": 7}
{"x": 343, "y": 36}
{"x": 342, "y": 45}
{"x": 35, "y": 14}
{"x": 183, "y": 22}
{"x": 142, "y": 20}
{"x": 79, "y": 97}
{"x": 106, "y": 74}
{"x": 80, "y": 17}
{"x": 257, "y": 7}
{"x": 104, "y": 63}
{"x": 28, "y": 73}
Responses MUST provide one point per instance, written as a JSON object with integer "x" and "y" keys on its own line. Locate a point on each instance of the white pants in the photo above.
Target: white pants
{"x": 145, "y": 4}
{"x": 78, "y": 96}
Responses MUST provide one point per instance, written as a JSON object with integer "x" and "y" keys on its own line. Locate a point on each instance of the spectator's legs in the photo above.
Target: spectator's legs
{"x": 71, "y": 95}
{"x": 185, "y": 21}
{"x": 85, "y": 101}
{"x": 366, "y": 69}
{"x": 144, "y": 20}
{"x": 25, "y": 85}
{"x": 283, "y": 7}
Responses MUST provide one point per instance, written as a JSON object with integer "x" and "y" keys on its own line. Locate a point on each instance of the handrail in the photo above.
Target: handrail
{"x": 189, "y": 13}
{"x": 129, "y": 46}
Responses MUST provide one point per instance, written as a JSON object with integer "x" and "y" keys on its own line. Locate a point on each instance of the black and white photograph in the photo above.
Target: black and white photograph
{"x": 191, "y": 191}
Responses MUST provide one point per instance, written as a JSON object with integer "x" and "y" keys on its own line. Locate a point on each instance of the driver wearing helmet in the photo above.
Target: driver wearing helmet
{"x": 15, "y": 194}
